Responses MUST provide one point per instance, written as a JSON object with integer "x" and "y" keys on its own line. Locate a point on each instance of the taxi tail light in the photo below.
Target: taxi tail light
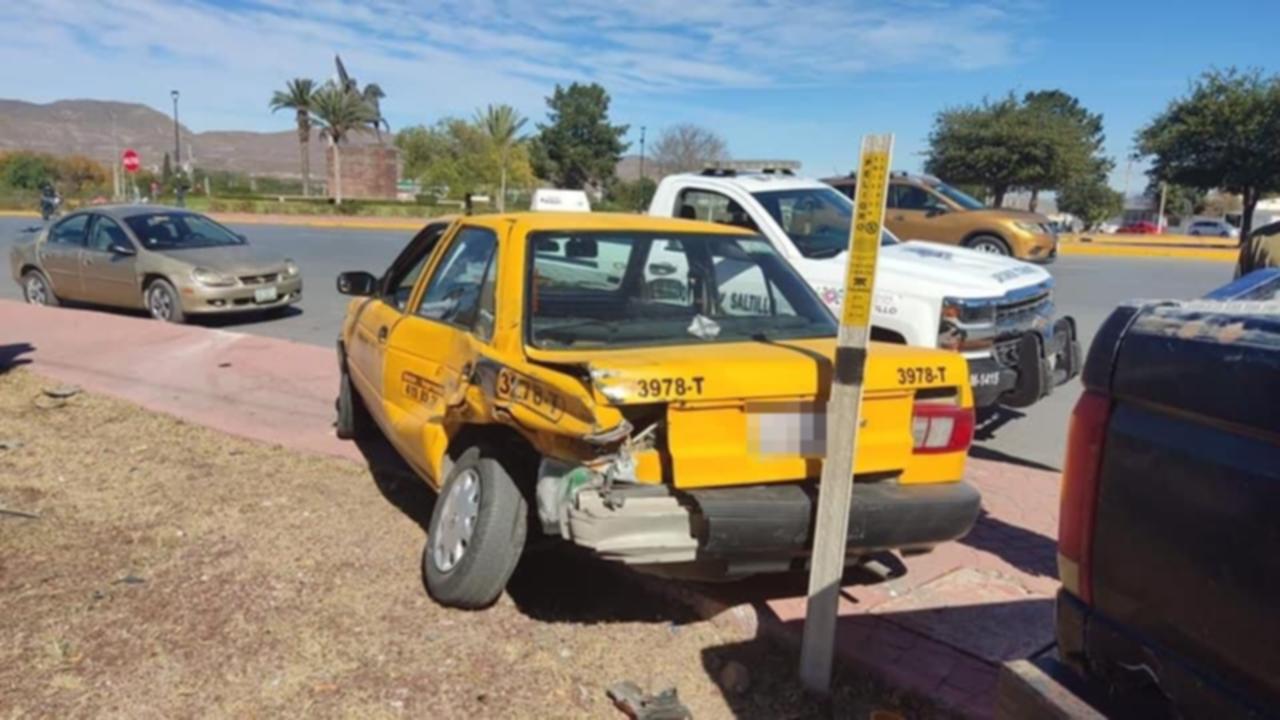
{"x": 1079, "y": 497}
{"x": 939, "y": 428}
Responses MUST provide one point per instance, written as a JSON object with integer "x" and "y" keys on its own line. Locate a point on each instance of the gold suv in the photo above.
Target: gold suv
{"x": 925, "y": 208}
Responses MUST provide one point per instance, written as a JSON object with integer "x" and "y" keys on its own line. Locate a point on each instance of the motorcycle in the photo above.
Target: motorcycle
{"x": 49, "y": 206}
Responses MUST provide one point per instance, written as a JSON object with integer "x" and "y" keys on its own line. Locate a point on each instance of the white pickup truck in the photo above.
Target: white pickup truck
{"x": 995, "y": 310}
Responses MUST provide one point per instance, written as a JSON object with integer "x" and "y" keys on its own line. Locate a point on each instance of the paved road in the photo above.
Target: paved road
{"x": 1088, "y": 288}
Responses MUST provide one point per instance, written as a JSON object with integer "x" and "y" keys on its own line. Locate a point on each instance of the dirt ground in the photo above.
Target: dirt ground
{"x": 173, "y": 571}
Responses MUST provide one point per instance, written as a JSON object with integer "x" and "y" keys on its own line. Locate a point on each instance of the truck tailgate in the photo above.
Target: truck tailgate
{"x": 1187, "y": 541}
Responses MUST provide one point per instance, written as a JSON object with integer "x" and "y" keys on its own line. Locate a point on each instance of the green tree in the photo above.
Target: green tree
{"x": 502, "y": 125}
{"x": 28, "y": 170}
{"x": 338, "y": 113}
{"x": 1221, "y": 135}
{"x": 82, "y": 175}
{"x": 578, "y": 146}
{"x": 297, "y": 96}
{"x": 1090, "y": 199}
{"x": 166, "y": 171}
{"x": 1075, "y": 140}
{"x": 631, "y": 195}
{"x": 457, "y": 157}
{"x": 1039, "y": 143}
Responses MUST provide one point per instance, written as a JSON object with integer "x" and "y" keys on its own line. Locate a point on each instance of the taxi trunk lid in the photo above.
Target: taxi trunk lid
{"x": 754, "y": 412}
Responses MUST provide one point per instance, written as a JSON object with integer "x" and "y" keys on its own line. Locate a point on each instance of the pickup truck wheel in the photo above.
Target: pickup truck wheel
{"x": 36, "y": 290}
{"x": 989, "y": 244}
{"x": 353, "y": 417}
{"x": 476, "y": 534}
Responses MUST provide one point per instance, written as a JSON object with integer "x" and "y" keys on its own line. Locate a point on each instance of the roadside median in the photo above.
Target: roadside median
{"x": 1182, "y": 247}
{"x": 936, "y": 626}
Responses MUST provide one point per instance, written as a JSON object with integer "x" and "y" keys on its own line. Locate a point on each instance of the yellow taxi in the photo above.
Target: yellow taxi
{"x": 583, "y": 376}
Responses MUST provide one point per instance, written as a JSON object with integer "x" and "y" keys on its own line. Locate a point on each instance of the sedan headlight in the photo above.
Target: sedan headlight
{"x": 290, "y": 268}
{"x": 212, "y": 278}
{"x": 1031, "y": 227}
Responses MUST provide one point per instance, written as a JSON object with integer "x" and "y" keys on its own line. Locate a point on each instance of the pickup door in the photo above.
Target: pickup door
{"x": 1187, "y": 541}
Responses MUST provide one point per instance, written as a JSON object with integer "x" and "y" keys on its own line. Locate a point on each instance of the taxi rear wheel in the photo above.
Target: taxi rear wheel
{"x": 353, "y": 417}
{"x": 477, "y": 533}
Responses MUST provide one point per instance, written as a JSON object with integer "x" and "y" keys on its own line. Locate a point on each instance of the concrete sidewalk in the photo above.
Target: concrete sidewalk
{"x": 939, "y": 625}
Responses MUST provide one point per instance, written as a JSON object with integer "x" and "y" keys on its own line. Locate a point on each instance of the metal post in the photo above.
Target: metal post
{"x": 641, "y": 152}
{"x": 1164, "y": 187}
{"x": 835, "y": 493}
{"x": 177, "y": 147}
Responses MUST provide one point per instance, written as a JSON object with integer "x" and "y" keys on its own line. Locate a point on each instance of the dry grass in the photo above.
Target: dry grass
{"x": 177, "y": 572}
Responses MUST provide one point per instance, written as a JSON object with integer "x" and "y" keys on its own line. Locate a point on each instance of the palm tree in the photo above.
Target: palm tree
{"x": 502, "y": 124}
{"x": 339, "y": 112}
{"x": 373, "y": 95}
{"x": 297, "y": 96}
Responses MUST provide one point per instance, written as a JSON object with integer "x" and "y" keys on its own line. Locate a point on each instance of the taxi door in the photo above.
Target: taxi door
{"x": 432, "y": 351}
{"x": 366, "y": 350}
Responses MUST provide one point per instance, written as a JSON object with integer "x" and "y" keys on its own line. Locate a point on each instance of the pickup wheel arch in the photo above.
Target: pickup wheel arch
{"x": 880, "y": 334}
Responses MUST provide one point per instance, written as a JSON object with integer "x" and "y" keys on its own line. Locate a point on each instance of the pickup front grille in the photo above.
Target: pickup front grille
{"x": 259, "y": 279}
{"x": 1022, "y": 314}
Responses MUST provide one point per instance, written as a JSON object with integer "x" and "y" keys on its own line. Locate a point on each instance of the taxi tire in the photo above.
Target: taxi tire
{"x": 353, "y": 421}
{"x": 480, "y": 576}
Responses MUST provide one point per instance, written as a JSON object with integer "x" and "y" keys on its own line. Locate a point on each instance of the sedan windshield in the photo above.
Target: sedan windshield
{"x": 179, "y": 230}
{"x": 816, "y": 219}
{"x": 629, "y": 289}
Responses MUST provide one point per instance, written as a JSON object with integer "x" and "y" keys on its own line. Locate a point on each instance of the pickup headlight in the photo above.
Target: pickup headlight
{"x": 968, "y": 313}
{"x": 1031, "y": 227}
{"x": 966, "y": 325}
{"x": 212, "y": 278}
{"x": 290, "y": 268}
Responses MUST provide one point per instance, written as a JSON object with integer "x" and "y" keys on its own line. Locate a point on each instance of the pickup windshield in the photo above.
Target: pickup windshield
{"x": 632, "y": 289}
{"x": 816, "y": 219}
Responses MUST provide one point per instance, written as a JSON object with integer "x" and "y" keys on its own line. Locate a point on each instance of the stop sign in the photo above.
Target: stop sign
{"x": 129, "y": 159}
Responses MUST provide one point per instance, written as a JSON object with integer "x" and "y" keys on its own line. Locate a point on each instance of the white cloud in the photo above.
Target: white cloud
{"x": 456, "y": 55}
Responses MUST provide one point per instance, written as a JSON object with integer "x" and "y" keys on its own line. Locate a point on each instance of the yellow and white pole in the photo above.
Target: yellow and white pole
{"x": 835, "y": 494}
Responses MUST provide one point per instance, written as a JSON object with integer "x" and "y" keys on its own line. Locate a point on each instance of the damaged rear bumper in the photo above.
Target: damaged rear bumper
{"x": 759, "y": 528}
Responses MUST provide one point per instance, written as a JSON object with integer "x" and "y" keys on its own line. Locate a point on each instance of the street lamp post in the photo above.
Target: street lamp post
{"x": 177, "y": 151}
{"x": 641, "y": 152}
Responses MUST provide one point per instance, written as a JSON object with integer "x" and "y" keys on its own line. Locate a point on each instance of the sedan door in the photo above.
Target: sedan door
{"x": 59, "y": 255}
{"x": 109, "y": 266}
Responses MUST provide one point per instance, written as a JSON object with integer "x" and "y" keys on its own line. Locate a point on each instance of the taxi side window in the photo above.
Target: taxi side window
{"x": 460, "y": 292}
{"x": 70, "y": 231}
{"x": 403, "y": 276}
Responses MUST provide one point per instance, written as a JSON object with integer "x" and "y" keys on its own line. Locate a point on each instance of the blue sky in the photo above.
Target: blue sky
{"x": 777, "y": 79}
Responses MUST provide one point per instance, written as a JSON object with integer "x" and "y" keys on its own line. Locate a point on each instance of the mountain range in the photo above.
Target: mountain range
{"x": 102, "y": 130}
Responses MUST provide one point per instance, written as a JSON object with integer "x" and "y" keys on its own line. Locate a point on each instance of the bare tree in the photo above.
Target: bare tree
{"x": 688, "y": 148}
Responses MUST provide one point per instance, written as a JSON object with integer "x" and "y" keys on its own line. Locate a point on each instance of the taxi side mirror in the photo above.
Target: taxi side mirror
{"x": 357, "y": 283}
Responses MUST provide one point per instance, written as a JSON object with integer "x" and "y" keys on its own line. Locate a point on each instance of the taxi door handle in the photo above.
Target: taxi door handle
{"x": 382, "y": 334}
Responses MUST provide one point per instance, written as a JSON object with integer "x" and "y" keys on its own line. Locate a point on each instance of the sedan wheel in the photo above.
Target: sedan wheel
{"x": 163, "y": 303}
{"x": 36, "y": 290}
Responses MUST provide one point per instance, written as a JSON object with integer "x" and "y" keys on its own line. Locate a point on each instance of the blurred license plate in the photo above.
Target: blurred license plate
{"x": 265, "y": 295}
